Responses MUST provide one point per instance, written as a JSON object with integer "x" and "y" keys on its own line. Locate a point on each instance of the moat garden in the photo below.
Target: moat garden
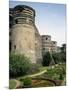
{"x": 24, "y": 74}
{"x": 48, "y": 76}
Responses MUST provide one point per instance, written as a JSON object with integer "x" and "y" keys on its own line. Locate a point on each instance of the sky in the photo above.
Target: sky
{"x": 50, "y": 19}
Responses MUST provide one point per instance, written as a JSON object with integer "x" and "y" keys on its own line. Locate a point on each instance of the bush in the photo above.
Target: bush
{"x": 61, "y": 77}
{"x": 18, "y": 65}
{"x": 27, "y": 82}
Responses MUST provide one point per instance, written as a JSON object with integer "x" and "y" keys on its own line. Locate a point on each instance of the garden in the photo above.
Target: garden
{"x": 24, "y": 74}
{"x": 54, "y": 76}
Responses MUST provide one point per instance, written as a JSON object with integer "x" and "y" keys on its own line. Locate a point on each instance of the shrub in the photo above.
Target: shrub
{"x": 27, "y": 81}
{"x": 18, "y": 65}
{"x": 21, "y": 79}
{"x": 61, "y": 77}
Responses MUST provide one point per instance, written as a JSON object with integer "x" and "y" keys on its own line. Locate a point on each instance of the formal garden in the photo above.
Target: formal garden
{"x": 52, "y": 76}
{"x": 24, "y": 74}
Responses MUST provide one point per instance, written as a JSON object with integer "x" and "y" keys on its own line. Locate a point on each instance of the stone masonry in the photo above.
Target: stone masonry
{"x": 24, "y": 35}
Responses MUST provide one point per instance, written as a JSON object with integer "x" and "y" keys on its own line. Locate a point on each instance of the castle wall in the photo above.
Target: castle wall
{"x": 38, "y": 46}
{"x": 23, "y": 40}
{"x": 23, "y": 34}
{"x": 25, "y": 37}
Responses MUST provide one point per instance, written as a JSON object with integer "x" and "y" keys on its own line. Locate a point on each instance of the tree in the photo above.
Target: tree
{"x": 63, "y": 53}
{"x": 46, "y": 59}
{"x": 57, "y": 57}
{"x": 63, "y": 57}
{"x": 63, "y": 48}
{"x": 18, "y": 65}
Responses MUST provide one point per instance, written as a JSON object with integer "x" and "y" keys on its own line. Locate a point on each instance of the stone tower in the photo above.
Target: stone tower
{"x": 48, "y": 45}
{"x": 23, "y": 38}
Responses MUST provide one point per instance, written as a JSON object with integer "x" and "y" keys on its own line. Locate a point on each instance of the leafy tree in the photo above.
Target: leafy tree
{"x": 63, "y": 57}
{"x": 63, "y": 48}
{"x": 47, "y": 58}
{"x": 57, "y": 57}
{"x": 18, "y": 65}
{"x": 63, "y": 52}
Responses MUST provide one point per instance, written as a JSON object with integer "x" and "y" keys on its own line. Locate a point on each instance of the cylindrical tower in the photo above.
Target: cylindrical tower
{"x": 46, "y": 43}
{"x": 53, "y": 46}
{"x": 22, "y": 32}
{"x": 46, "y": 38}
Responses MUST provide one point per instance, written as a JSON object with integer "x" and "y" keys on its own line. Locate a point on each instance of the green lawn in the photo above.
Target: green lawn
{"x": 46, "y": 67}
{"x": 12, "y": 84}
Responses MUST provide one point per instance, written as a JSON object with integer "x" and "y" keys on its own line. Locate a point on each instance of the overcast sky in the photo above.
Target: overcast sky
{"x": 50, "y": 19}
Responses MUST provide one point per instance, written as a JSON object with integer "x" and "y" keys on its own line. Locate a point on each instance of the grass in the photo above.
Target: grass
{"x": 51, "y": 73}
{"x": 12, "y": 84}
{"x": 54, "y": 73}
{"x": 43, "y": 68}
{"x": 46, "y": 67}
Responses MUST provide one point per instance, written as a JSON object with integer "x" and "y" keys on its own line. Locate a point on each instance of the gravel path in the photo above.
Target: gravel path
{"x": 37, "y": 74}
{"x": 17, "y": 83}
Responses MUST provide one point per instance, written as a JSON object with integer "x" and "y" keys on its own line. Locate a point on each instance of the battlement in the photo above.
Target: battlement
{"x": 23, "y": 14}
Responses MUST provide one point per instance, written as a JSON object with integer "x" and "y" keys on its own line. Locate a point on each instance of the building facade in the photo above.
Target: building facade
{"x": 24, "y": 35}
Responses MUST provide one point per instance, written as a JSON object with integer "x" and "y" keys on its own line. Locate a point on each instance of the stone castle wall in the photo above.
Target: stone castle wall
{"x": 24, "y": 35}
{"x": 23, "y": 40}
